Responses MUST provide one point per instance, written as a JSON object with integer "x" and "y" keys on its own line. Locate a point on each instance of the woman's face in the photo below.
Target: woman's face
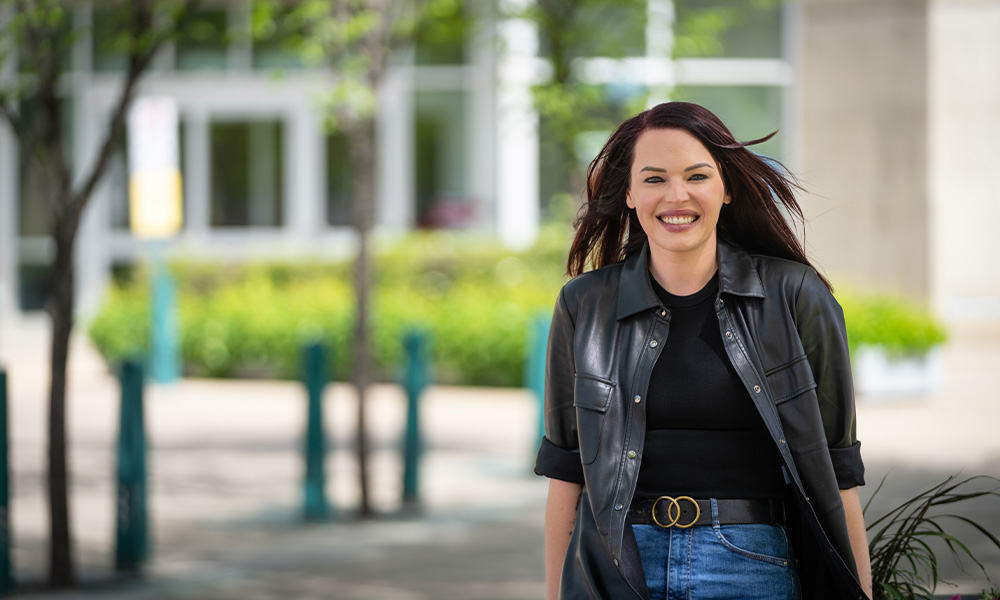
{"x": 677, "y": 192}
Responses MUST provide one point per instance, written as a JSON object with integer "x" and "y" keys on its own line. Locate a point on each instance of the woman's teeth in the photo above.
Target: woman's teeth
{"x": 678, "y": 220}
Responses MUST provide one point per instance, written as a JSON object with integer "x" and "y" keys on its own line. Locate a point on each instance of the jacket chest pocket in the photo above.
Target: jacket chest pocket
{"x": 591, "y": 397}
{"x": 790, "y": 380}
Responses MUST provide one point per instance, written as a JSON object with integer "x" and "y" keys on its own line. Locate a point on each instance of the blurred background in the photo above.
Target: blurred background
{"x": 449, "y": 139}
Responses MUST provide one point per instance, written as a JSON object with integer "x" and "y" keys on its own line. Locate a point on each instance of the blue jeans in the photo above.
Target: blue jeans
{"x": 715, "y": 562}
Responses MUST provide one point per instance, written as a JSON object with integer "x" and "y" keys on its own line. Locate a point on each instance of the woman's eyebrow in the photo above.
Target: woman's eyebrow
{"x": 657, "y": 169}
{"x": 697, "y": 166}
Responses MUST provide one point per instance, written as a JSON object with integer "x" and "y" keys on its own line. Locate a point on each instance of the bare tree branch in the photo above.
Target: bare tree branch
{"x": 137, "y": 66}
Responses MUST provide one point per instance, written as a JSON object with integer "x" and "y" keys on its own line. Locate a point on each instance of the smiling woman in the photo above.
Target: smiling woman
{"x": 699, "y": 412}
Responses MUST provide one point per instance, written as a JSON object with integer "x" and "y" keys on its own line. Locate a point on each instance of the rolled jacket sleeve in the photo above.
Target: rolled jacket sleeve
{"x": 820, "y": 322}
{"x": 559, "y": 456}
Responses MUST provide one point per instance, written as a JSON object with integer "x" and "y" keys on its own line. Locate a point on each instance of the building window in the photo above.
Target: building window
{"x": 34, "y": 219}
{"x": 247, "y": 177}
{"x": 750, "y": 112}
{"x": 442, "y": 160}
{"x": 32, "y": 288}
{"x": 110, "y": 46}
{"x": 204, "y": 42}
{"x": 441, "y": 38}
{"x": 566, "y": 30}
{"x": 339, "y": 182}
{"x": 727, "y": 28}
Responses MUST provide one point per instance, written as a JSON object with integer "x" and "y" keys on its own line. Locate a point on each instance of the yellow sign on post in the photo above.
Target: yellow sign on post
{"x": 155, "y": 205}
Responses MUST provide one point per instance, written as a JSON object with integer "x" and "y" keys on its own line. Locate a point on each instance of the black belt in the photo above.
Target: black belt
{"x": 684, "y": 511}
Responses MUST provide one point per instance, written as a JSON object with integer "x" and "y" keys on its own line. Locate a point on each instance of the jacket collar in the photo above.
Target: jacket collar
{"x": 737, "y": 276}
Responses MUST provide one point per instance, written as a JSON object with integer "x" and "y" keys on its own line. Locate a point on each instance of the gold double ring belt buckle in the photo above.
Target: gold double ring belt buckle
{"x": 675, "y": 506}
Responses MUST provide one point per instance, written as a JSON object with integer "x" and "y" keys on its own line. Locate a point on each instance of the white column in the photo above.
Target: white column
{"x": 480, "y": 131}
{"x": 660, "y": 77}
{"x": 517, "y": 135}
{"x": 9, "y": 255}
{"x": 394, "y": 178}
{"x": 8, "y": 226}
{"x": 197, "y": 187}
{"x": 304, "y": 172}
{"x": 792, "y": 49}
{"x": 93, "y": 257}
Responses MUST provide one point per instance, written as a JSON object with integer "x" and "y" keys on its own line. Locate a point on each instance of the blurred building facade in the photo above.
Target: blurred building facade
{"x": 886, "y": 109}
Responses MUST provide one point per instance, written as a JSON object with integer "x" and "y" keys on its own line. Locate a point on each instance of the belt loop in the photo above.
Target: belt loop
{"x": 715, "y": 512}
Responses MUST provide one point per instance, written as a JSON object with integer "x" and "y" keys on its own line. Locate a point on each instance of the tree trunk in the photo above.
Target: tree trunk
{"x": 363, "y": 159}
{"x": 60, "y": 305}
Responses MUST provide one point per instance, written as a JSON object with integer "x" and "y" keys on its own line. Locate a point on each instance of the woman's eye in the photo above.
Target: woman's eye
{"x": 699, "y": 177}
{"x": 654, "y": 179}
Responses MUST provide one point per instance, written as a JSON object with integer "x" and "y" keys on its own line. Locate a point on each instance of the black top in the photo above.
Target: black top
{"x": 704, "y": 437}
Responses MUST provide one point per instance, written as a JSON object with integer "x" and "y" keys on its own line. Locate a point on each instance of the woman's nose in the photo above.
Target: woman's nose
{"x": 676, "y": 193}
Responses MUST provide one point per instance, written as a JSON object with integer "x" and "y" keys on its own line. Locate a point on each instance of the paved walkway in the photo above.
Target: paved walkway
{"x": 225, "y": 470}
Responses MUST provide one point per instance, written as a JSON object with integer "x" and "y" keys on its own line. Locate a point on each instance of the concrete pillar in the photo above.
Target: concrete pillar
{"x": 865, "y": 146}
{"x": 517, "y": 136}
{"x": 964, "y": 51}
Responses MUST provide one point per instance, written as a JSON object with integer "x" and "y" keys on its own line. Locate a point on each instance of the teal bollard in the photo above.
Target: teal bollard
{"x": 6, "y": 576}
{"x": 131, "y": 547}
{"x": 164, "y": 359}
{"x": 416, "y": 377}
{"x": 315, "y": 506}
{"x": 534, "y": 369}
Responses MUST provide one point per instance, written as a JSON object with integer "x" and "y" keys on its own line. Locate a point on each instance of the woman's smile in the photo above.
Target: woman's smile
{"x": 677, "y": 219}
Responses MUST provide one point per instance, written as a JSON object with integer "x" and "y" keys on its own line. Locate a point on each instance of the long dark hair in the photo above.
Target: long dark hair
{"x": 608, "y": 231}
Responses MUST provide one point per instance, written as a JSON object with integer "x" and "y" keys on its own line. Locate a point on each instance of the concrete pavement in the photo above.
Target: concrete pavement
{"x": 226, "y": 468}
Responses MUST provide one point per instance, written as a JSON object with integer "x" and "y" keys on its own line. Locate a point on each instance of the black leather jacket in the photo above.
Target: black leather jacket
{"x": 783, "y": 332}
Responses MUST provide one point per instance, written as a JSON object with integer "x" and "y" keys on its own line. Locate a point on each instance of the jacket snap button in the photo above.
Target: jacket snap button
{"x": 631, "y": 453}
{"x": 654, "y": 344}
{"x": 663, "y": 313}
{"x": 756, "y": 389}
{"x": 782, "y": 442}
{"x": 637, "y": 399}
{"x": 729, "y": 335}
{"x": 618, "y": 507}
{"x": 721, "y": 302}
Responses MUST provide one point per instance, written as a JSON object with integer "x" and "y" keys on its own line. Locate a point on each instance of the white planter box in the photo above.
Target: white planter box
{"x": 877, "y": 374}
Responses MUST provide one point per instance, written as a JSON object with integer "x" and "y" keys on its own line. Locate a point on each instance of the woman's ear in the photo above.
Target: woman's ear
{"x": 628, "y": 199}
{"x": 728, "y": 199}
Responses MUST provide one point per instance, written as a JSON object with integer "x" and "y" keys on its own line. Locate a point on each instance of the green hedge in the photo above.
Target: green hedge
{"x": 900, "y": 325}
{"x": 475, "y": 299}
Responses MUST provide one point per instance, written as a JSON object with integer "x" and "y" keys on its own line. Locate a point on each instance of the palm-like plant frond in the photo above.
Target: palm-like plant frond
{"x": 902, "y": 542}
